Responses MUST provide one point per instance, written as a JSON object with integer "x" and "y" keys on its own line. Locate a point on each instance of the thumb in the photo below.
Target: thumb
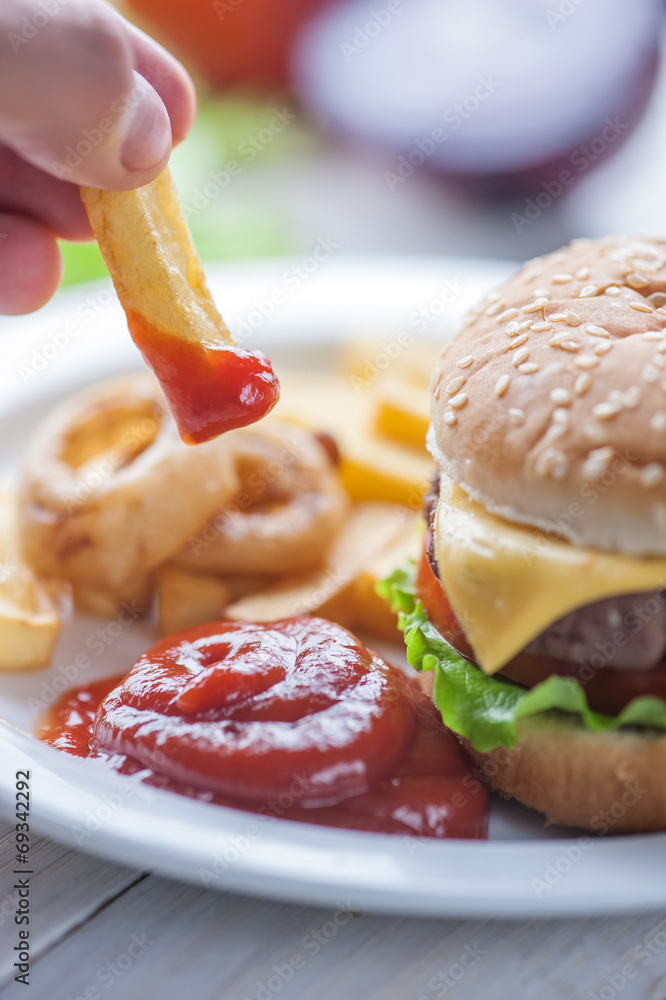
{"x": 71, "y": 102}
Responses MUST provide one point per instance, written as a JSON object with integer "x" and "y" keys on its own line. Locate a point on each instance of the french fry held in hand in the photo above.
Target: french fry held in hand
{"x": 211, "y": 385}
{"x": 29, "y": 618}
{"x": 328, "y": 591}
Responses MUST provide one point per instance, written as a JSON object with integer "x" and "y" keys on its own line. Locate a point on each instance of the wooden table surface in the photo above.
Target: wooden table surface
{"x": 99, "y": 930}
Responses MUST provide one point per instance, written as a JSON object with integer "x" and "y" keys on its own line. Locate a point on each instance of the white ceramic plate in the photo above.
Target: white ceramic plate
{"x": 522, "y": 871}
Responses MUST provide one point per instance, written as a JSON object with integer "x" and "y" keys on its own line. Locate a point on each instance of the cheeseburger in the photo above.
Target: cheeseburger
{"x": 538, "y": 611}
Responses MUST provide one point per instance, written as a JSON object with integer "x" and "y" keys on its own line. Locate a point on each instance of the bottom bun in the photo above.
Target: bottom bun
{"x": 612, "y": 782}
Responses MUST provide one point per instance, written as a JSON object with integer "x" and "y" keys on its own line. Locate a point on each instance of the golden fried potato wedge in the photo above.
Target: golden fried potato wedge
{"x": 371, "y": 612}
{"x": 152, "y": 260}
{"x": 135, "y": 596}
{"x": 372, "y": 468}
{"x": 186, "y": 598}
{"x": 368, "y": 358}
{"x": 402, "y": 412}
{"x": 30, "y": 619}
{"x": 328, "y": 591}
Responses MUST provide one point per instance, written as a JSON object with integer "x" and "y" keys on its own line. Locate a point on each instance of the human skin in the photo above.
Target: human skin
{"x": 85, "y": 98}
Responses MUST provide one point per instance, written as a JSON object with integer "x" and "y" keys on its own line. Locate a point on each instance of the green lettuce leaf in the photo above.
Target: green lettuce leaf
{"x": 486, "y": 710}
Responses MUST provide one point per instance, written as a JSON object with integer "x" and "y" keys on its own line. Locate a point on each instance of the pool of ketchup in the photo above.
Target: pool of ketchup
{"x": 608, "y": 689}
{"x": 293, "y": 719}
{"x": 209, "y": 388}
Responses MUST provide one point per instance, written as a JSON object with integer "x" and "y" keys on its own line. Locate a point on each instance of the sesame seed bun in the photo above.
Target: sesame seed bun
{"x": 549, "y": 406}
{"x": 604, "y": 782}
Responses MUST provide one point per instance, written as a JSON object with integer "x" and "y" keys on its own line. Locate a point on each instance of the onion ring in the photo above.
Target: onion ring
{"x": 234, "y": 708}
{"x": 109, "y": 491}
{"x": 288, "y": 510}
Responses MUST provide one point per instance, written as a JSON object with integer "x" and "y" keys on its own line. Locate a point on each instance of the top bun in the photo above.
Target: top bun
{"x": 549, "y": 406}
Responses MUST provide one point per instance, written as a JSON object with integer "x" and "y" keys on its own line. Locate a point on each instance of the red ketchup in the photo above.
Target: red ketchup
{"x": 293, "y": 718}
{"x": 209, "y": 389}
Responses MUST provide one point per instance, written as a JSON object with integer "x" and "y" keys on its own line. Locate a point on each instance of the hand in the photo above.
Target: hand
{"x": 85, "y": 98}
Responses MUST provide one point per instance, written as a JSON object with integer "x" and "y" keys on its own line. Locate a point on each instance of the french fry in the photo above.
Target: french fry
{"x": 368, "y": 358}
{"x": 371, "y": 612}
{"x": 187, "y": 598}
{"x": 328, "y": 591}
{"x": 403, "y": 411}
{"x": 372, "y": 468}
{"x": 210, "y": 385}
{"x": 107, "y": 601}
{"x": 152, "y": 260}
{"x": 29, "y": 618}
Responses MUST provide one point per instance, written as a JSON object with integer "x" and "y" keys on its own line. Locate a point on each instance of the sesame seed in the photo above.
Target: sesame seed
{"x": 595, "y": 434}
{"x": 450, "y": 418}
{"x": 535, "y": 306}
{"x": 616, "y": 397}
{"x": 652, "y": 335}
{"x": 604, "y": 411}
{"x": 561, "y": 417}
{"x": 522, "y": 354}
{"x": 507, "y": 314}
{"x": 560, "y": 396}
{"x": 525, "y": 325}
{"x": 541, "y": 293}
{"x": 657, "y": 299}
{"x": 597, "y": 331}
{"x": 583, "y": 383}
{"x": 459, "y": 401}
{"x": 541, "y": 327}
{"x": 564, "y": 344}
{"x": 456, "y": 384}
{"x": 586, "y": 361}
{"x": 572, "y": 318}
{"x": 658, "y": 421}
{"x": 658, "y": 360}
{"x": 603, "y": 348}
{"x": 642, "y": 307}
{"x": 645, "y": 265}
{"x": 583, "y": 273}
{"x": 528, "y": 368}
{"x": 531, "y": 273}
{"x": 502, "y": 385}
{"x": 511, "y": 329}
{"x": 561, "y": 279}
{"x": 612, "y": 290}
{"x": 494, "y": 294}
{"x": 517, "y": 417}
{"x": 553, "y": 462}
{"x": 632, "y": 397}
{"x": 652, "y": 474}
{"x": 587, "y": 291}
{"x": 518, "y": 341}
{"x": 495, "y": 308}
{"x": 650, "y": 373}
{"x": 466, "y": 361}
{"x": 557, "y": 257}
{"x": 637, "y": 280}
{"x": 597, "y": 462}
{"x": 557, "y": 317}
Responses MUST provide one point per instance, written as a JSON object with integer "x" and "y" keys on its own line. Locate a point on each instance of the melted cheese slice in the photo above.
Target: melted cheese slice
{"x": 507, "y": 582}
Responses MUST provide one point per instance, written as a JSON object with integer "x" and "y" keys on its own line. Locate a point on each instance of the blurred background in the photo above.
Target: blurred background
{"x": 494, "y": 129}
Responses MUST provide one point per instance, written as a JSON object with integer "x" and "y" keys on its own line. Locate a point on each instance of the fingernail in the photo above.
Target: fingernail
{"x": 148, "y": 135}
